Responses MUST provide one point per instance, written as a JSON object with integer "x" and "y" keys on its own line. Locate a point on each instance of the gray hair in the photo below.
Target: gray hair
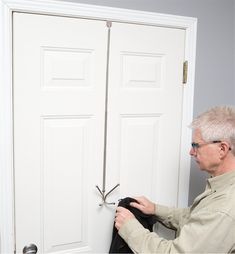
{"x": 218, "y": 123}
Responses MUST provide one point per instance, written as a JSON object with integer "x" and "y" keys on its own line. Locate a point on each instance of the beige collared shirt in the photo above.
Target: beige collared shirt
{"x": 208, "y": 226}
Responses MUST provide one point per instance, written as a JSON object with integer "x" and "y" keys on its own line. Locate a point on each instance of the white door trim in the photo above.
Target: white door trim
{"x": 7, "y": 7}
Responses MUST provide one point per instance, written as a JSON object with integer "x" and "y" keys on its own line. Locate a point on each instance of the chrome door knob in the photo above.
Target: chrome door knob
{"x": 30, "y": 249}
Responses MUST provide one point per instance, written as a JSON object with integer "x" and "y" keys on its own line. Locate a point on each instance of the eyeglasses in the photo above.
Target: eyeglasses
{"x": 195, "y": 146}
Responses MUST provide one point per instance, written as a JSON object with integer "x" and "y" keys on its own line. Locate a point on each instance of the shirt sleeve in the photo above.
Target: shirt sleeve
{"x": 205, "y": 232}
{"x": 171, "y": 217}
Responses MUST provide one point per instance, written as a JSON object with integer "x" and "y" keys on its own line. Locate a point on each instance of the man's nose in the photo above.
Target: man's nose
{"x": 192, "y": 152}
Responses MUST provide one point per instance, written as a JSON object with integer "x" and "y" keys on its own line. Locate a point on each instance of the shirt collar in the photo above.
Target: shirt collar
{"x": 221, "y": 181}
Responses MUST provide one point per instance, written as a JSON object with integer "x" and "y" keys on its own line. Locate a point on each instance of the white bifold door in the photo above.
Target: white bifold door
{"x": 94, "y": 105}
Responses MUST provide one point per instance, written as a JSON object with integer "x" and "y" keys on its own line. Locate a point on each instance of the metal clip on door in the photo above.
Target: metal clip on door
{"x": 104, "y": 196}
{"x": 102, "y": 193}
{"x": 30, "y": 249}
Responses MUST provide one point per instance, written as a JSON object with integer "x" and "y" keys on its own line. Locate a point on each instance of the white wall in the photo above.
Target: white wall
{"x": 215, "y": 53}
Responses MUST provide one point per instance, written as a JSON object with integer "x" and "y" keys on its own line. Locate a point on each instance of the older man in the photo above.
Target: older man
{"x": 208, "y": 225}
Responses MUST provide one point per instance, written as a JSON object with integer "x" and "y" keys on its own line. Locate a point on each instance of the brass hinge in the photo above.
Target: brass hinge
{"x": 185, "y": 72}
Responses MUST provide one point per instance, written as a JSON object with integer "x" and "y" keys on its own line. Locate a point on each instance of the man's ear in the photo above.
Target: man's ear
{"x": 224, "y": 148}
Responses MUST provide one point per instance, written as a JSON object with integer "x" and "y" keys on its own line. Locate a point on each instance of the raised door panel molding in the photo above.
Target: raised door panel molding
{"x": 139, "y": 155}
{"x": 56, "y": 73}
{"x": 142, "y": 70}
{"x": 65, "y": 147}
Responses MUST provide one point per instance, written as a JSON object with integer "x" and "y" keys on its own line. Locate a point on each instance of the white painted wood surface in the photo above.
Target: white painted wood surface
{"x": 79, "y": 10}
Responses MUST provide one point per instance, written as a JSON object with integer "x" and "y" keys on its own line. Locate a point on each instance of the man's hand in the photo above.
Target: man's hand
{"x": 144, "y": 205}
{"x": 122, "y": 215}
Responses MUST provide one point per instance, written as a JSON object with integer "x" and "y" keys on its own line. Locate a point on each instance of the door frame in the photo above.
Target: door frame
{"x": 7, "y": 7}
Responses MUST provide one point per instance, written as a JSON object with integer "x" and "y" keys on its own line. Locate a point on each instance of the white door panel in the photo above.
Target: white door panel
{"x": 145, "y": 110}
{"x": 59, "y": 90}
{"x": 59, "y": 76}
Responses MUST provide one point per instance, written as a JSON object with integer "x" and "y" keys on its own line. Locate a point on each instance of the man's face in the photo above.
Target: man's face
{"x": 207, "y": 154}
